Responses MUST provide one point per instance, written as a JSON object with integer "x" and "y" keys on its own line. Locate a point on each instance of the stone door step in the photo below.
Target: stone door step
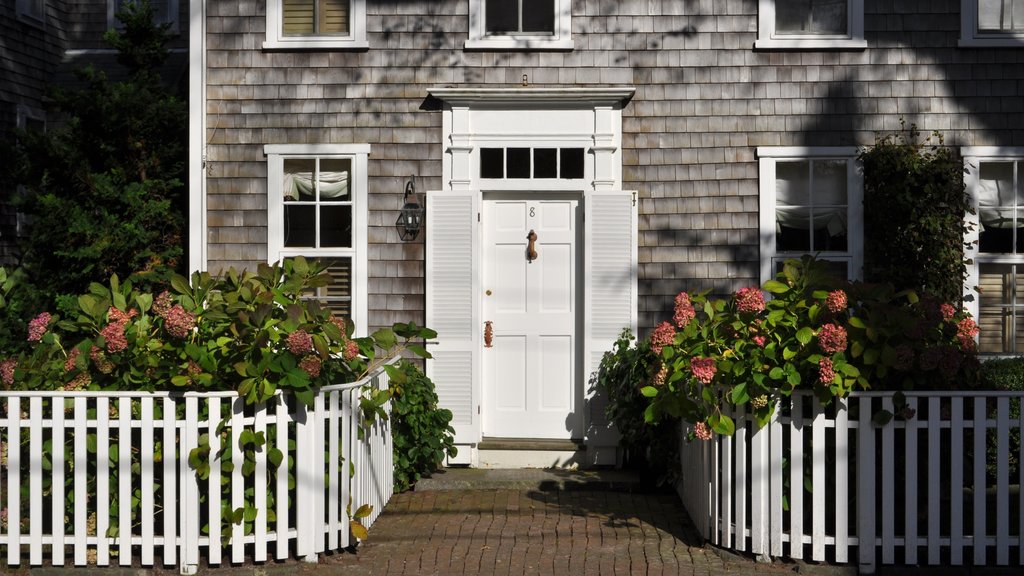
{"x": 529, "y": 479}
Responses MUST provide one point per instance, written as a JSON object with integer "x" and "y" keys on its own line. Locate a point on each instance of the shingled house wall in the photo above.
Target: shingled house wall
{"x": 705, "y": 99}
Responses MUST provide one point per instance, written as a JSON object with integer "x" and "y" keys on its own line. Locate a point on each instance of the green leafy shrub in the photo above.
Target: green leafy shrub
{"x": 914, "y": 206}
{"x": 815, "y": 333}
{"x": 421, "y": 430}
{"x": 624, "y": 370}
{"x": 1004, "y": 374}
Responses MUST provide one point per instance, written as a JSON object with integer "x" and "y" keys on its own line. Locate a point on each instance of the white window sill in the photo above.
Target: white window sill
{"x": 1001, "y": 42}
{"x": 811, "y": 44}
{"x": 525, "y": 43}
{"x": 316, "y": 44}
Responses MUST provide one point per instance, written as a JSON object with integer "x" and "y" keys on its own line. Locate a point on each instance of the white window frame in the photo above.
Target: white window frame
{"x": 32, "y": 12}
{"x": 973, "y": 156}
{"x": 359, "y": 155}
{"x": 479, "y": 39}
{"x": 768, "y": 157}
{"x": 767, "y": 38}
{"x": 276, "y": 40}
{"x": 172, "y": 16}
{"x": 971, "y": 38}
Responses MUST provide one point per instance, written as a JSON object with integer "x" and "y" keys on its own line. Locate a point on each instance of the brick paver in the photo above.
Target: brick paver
{"x": 519, "y": 532}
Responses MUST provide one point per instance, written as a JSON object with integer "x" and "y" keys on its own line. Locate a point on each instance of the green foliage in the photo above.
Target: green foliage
{"x": 815, "y": 333}
{"x": 104, "y": 188}
{"x": 421, "y": 430}
{"x": 623, "y": 378}
{"x": 914, "y": 206}
{"x": 1004, "y": 374}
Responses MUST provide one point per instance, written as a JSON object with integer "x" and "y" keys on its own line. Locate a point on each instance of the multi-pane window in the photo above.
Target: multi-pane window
{"x": 562, "y": 163}
{"x": 316, "y": 17}
{"x": 317, "y": 209}
{"x": 991, "y": 22}
{"x": 810, "y": 204}
{"x": 316, "y": 24}
{"x": 520, "y": 24}
{"x": 810, "y": 24}
{"x": 33, "y": 11}
{"x": 520, "y": 16}
{"x": 996, "y": 186}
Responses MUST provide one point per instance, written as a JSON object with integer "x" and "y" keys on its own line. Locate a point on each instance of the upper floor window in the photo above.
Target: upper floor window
{"x": 164, "y": 12}
{"x": 317, "y": 208}
{"x": 32, "y": 11}
{"x": 520, "y": 24}
{"x": 992, "y": 23}
{"x": 995, "y": 183}
{"x": 811, "y": 203}
{"x": 316, "y": 24}
{"x": 810, "y": 24}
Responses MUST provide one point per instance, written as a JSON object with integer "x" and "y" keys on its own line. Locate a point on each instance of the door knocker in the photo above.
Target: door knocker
{"x": 531, "y": 248}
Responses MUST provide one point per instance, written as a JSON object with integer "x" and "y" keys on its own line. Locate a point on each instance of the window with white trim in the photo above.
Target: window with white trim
{"x": 32, "y": 11}
{"x": 317, "y": 209}
{"x": 995, "y": 289}
{"x": 316, "y": 24}
{"x": 991, "y": 23}
{"x": 811, "y": 203}
{"x": 810, "y": 24}
{"x": 520, "y": 25}
{"x": 164, "y": 12}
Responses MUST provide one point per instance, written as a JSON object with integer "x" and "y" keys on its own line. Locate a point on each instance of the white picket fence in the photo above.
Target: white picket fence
{"x": 72, "y": 506}
{"x": 935, "y": 488}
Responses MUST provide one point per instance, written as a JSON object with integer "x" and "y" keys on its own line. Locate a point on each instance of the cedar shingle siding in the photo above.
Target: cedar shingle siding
{"x": 704, "y": 100}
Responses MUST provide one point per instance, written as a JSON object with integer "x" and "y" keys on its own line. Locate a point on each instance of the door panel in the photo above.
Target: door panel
{"x": 531, "y": 380}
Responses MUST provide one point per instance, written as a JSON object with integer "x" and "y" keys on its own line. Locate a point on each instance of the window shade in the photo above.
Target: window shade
{"x": 1001, "y": 15}
{"x": 315, "y": 17}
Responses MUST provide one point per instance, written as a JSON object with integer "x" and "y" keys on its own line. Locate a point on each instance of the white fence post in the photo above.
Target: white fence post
{"x": 865, "y": 488}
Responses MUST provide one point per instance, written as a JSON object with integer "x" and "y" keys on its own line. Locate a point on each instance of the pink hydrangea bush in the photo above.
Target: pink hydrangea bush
{"x": 815, "y": 333}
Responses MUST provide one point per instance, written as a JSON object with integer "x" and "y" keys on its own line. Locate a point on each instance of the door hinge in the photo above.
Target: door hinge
{"x": 477, "y": 216}
{"x": 478, "y": 409}
{"x": 634, "y": 198}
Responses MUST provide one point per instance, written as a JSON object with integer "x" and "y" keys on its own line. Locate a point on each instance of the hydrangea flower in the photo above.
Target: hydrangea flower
{"x": 749, "y": 300}
{"x": 663, "y": 335}
{"x": 351, "y": 350}
{"x": 659, "y": 378}
{"x": 37, "y": 327}
{"x": 702, "y": 431}
{"x": 759, "y": 402}
{"x": 759, "y": 340}
{"x": 684, "y": 312}
{"x": 904, "y": 357}
{"x": 300, "y": 342}
{"x": 311, "y": 365}
{"x": 966, "y": 330}
{"x": 162, "y": 304}
{"x": 7, "y": 371}
{"x": 947, "y": 311}
{"x": 113, "y": 335}
{"x": 832, "y": 338}
{"x": 826, "y": 372}
{"x": 179, "y": 322}
{"x": 703, "y": 369}
{"x": 69, "y": 364}
{"x": 836, "y": 301}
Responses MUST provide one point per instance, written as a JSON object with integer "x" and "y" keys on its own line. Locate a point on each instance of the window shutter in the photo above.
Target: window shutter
{"x": 452, "y": 269}
{"x": 610, "y": 261}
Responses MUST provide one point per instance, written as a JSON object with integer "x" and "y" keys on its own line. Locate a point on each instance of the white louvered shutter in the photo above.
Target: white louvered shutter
{"x": 453, "y": 259}
{"x": 611, "y": 289}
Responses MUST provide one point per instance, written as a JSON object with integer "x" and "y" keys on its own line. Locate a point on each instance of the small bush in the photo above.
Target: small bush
{"x": 1004, "y": 374}
{"x": 422, "y": 431}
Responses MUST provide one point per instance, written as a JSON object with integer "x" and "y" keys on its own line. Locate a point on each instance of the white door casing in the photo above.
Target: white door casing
{"x": 532, "y": 384}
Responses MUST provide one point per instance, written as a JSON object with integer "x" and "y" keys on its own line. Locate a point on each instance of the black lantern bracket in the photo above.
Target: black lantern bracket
{"x": 410, "y": 219}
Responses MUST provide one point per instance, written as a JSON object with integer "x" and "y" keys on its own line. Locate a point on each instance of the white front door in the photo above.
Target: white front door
{"x": 532, "y": 379}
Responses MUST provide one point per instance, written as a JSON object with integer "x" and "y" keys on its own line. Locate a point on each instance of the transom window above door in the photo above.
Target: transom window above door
{"x": 992, "y": 23}
{"x": 562, "y": 163}
{"x": 316, "y": 24}
{"x": 520, "y": 24}
{"x": 810, "y": 24}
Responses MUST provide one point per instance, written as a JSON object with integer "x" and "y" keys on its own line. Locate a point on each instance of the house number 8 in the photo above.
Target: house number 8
{"x": 533, "y": 211}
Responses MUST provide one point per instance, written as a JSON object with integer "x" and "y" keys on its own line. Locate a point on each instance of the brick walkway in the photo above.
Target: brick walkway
{"x": 517, "y": 532}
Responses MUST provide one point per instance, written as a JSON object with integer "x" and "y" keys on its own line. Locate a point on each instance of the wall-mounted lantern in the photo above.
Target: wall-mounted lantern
{"x": 410, "y": 219}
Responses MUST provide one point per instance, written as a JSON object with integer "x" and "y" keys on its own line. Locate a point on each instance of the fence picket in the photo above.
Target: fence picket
{"x": 956, "y": 482}
{"x": 260, "y": 487}
{"x": 147, "y": 471}
{"x": 934, "y": 485}
{"x": 282, "y": 495}
{"x": 818, "y": 482}
{"x": 35, "y": 489}
{"x": 726, "y": 494}
{"x": 1003, "y": 481}
{"x": 979, "y": 480}
{"x": 742, "y": 425}
{"x": 866, "y": 526}
{"x": 81, "y": 482}
{"x": 237, "y": 481}
{"x": 104, "y": 465}
{"x": 842, "y": 495}
{"x": 333, "y": 496}
{"x": 124, "y": 460}
{"x": 213, "y": 491}
{"x": 57, "y": 520}
{"x": 796, "y": 478}
{"x": 759, "y": 490}
{"x": 776, "y": 484}
{"x": 170, "y": 483}
{"x": 348, "y": 428}
{"x": 888, "y": 489}
{"x": 715, "y": 487}
{"x": 190, "y": 510}
{"x": 910, "y": 496}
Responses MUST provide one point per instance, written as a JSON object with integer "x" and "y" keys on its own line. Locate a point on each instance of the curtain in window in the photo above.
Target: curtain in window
{"x": 332, "y": 185}
{"x": 1001, "y": 15}
{"x": 314, "y": 17}
{"x": 811, "y": 195}
{"x": 811, "y": 17}
{"x": 998, "y": 196}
